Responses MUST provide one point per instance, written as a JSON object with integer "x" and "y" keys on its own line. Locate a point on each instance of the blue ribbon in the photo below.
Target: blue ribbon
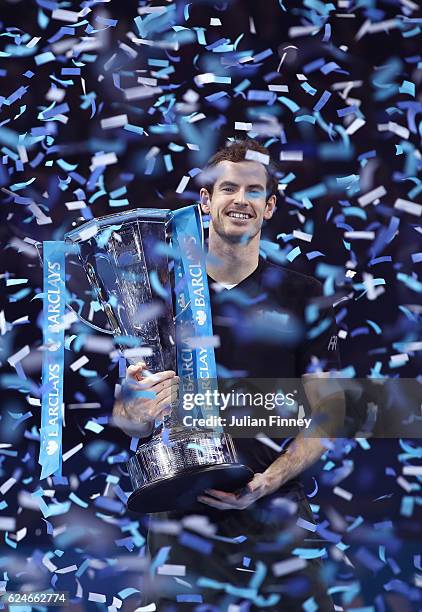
{"x": 50, "y": 456}
{"x": 196, "y": 365}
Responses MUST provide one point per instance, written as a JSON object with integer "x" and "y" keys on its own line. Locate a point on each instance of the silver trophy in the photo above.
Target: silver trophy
{"x": 127, "y": 259}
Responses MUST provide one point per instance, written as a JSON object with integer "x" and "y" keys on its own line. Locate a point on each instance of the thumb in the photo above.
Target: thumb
{"x": 141, "y": 365}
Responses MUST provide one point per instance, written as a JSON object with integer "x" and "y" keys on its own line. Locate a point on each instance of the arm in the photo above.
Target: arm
{"x": 326, "y": 398}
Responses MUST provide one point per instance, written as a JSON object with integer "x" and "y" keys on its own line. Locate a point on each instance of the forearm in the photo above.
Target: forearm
{"x": 300, "y": 455}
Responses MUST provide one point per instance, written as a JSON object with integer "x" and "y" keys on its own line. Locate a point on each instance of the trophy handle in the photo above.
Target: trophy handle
{"x": 38, "y": 248}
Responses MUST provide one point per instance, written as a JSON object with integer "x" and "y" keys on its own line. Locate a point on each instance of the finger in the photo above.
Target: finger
{"x": 214, "y": 503}
{"x": 167, "y": 394}
{"x": 134, "y": 371}
{"x": 150, "y": 381}
{"x": 164, "y": 389}
{"x": 222, "y": 495}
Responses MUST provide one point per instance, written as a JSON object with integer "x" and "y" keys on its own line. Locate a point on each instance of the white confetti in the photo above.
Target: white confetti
{"x": 302, "y": 235}
{"x": 41, "y": 217}
{"x": 79, "y": 363}
{"x": 182, "y": 185}
{"x": 407, "y": 206}
{"x": 75, "y": 205}
{"x": 395, "y": 128}
{"x": 261, "y": 158}
{"x": 412, "y": 5}
{"x": 33, "y": 42}
{"x": 399, "y": 358}
{"x": 64, "y": 15}
{"x": 67, "y": 570}
{"x": 355, "y": 126}
{"x": 279, "y": 88}
{"x": 264, "y": 439}
{"x": 359, "y": 235}
{"x": 114, "y": 122}
{"x": 202, "y": 342}
{"x": 97, "y": 597}
{"x": 7, "y": 485}
{"x": 372, "y": 196}
{"x": 87, "y": 405}
{"x": 297, "y": 31}
{"x": 104, "y": 159}
{"x": 7, "y": 523}
{"x": 294, "y": 564}
{"x": 404, "y": 484}
{"x": 72, "y": 451}
{"x": 23, "y": 154}
{"x": 240, "y": 125}
{"x": 210, "y": 77}
{"x": 412, "y": 470}
{"x": 291, "y": 156}
{"x": 138, "y": 93}
{"x": 147, "y": 81}
{"x": 33, "y": 401}
{"x": 137, "y": 353}
{"x": 21, "y": 354}
{"x": 3, "y": 323}
{"x": 171, "y": 570}
{"x": 48, "y": 563}
{"x": 19, "y": 535}
{"x": 98, "y": 344}
{"x": 343, "y": 493}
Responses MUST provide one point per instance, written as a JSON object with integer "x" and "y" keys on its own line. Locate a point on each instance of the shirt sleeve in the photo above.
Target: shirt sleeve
{"x": 319, "y": 349}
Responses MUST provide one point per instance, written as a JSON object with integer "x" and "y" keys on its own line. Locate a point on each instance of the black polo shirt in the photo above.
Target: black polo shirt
{"x": 276, "y": 323}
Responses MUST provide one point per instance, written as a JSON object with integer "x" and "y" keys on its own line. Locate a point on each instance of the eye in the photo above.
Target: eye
{"x": 228, "y": 189}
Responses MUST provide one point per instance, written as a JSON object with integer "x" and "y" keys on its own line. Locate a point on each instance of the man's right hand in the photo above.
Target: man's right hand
{"x": 138, "y": 413}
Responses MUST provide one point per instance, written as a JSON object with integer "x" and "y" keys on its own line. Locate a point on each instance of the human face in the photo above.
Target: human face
{"x": 239, "y": 203}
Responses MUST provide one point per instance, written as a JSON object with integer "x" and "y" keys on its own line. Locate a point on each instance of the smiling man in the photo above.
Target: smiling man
{"x": 240, "y": 552}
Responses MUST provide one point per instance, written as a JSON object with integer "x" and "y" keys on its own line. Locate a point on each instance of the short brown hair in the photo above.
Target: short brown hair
{"x": 236, "y": 152}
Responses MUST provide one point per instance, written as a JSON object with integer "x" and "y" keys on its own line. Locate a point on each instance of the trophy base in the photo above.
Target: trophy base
{"x": 180, "y": 491}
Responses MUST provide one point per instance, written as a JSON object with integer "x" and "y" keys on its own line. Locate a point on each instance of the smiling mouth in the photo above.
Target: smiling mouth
{"x": 238, "y": 215}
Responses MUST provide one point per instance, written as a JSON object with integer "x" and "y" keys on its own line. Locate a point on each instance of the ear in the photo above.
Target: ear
{"x": 270, "y": 207}
{"x": 205, "y": 200}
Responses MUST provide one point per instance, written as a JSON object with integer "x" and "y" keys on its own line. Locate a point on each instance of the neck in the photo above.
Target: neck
{"x": 229, "y": 262}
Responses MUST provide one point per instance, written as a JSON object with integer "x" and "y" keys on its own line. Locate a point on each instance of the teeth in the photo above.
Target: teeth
{"x": 236, "y": 215}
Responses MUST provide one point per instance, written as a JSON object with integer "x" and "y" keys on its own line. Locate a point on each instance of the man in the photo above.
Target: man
{"x": 249, "y": 534}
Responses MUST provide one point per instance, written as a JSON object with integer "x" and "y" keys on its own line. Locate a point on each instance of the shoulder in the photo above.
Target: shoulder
{"x": 276, "y": 275}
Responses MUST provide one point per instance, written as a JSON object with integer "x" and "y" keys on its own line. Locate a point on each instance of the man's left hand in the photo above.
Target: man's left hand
{"x": 239, "y": 500}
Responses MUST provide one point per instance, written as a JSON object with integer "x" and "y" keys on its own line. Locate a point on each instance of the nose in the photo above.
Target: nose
{"x": 241, "y": 197}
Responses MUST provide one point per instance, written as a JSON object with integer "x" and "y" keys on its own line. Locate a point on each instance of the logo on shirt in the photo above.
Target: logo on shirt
{"x": 332, "y": 345}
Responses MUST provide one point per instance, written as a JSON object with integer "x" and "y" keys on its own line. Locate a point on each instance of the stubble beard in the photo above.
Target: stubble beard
{"x": 244, "y": 238}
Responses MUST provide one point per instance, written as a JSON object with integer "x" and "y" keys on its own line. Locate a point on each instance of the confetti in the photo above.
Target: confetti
{"x": 410, "y": 207}
{"x": 372, "y": 196}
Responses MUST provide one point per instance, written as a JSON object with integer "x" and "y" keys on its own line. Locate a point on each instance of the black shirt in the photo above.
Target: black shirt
{"x": 275, "y": 323}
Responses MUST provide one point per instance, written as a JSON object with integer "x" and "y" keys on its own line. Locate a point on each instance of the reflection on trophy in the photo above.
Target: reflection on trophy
{"x": 139, "y": 264}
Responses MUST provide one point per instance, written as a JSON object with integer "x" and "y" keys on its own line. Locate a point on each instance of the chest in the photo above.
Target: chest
{"x": 258, "y": 337}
